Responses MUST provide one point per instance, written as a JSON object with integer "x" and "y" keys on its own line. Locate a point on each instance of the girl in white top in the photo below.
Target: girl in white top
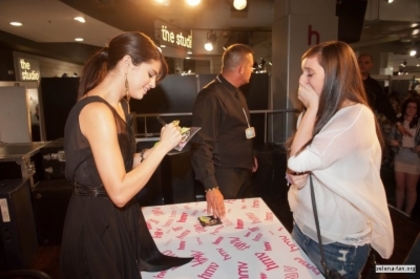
{"x": 338, "y": 141}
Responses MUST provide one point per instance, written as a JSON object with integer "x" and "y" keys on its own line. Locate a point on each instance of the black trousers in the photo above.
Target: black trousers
{"x": 234, "y": 183}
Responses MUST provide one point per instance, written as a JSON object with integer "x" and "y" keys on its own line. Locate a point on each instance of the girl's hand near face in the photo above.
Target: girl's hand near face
{"x": 307, "y": 95}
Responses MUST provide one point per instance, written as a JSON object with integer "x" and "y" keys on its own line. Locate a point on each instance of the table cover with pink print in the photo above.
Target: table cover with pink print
{"x": 250, "y": 243}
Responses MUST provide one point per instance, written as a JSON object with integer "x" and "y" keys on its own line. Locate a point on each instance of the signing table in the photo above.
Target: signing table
{"x": 251, "y": 242}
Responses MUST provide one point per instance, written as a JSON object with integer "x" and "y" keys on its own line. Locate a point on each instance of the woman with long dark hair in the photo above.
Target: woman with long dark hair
{"x": 407, "y": 160}
{"x": 105, "y": 234}
{"x": 338, "y": 143}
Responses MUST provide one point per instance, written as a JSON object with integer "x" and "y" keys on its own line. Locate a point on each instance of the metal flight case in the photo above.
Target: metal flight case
{"x": 22, "y": 160}
{"x": 54, "y": 159}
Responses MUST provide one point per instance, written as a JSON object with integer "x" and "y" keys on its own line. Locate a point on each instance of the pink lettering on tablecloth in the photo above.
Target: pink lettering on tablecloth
{"x": 195, "y": 212}
{"x": 218, "y": 240}
{"x": 154, "y": 221}
{"x": 183, "y": 218}
{"x": 227, "y": 223}
{"x": 289, "y": 242}
{"x": 161, "y": 274}
{"x": 216, "y": 231}
{"x": 168, "y": 242}
{"x": 158, "y": 211}
{"x": 168, "y": 223}
{"x": 253, "y": 218}
{"x": 199, "y": 228}
{"x": 239, "y": 224}
{"x": 173, "y": 213}
{"x": 267, "y": 246}
{"x": 243, "y": 270}
{"x": 175, "y": 229}
{"x": 210, "y": 271}
{"x": 263, "y": 276}
{"x": 187, "y": 206}
{"x": 199, "y": 242}
{"x": 267, "y": 261}
{"x": 280, "y": 229}
{"x": 158, "y": 233}
{"x": 169, "y": 253}
{"x": 230, "y": 201}
{"x": 290, "y": 272}
{"x": 238, "y": 244}
{"x": 247, "y": 234}
{"x": 254, "y": 229}
{"x": 181, "y": 245}
{"x": 149, "y": 226}
{"x": 183, "y": 234}
{"x": 199, "y": 258}
{"x": 256, "y": 203}
{"x": 269, "y": 216}
{"x": 309, "y": 266}
{"x": 257, "y": 237}
{"x": 243, "y": 206}
{"x": 224, "y": 254}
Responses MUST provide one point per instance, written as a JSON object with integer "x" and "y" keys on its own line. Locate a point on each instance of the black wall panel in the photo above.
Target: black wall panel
{"x": 7, "y": 68}
{"x": 58, "y": 96}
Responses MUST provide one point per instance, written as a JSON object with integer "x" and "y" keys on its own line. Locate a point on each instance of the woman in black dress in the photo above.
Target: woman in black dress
{"x": 105, "y": 234}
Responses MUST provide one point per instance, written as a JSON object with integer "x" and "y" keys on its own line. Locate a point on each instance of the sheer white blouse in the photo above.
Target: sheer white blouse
{"x": 345, "y": 159}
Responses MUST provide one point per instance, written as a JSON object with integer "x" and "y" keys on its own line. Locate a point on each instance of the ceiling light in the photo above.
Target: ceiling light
{"x": 193, "y": 2}
{"x": 208, "y": 46}
{"x": 189, "y": 52}
{"x": 80, "y": 19}
{"x": 162, "y": 46}
{"x": 211, "y": 40}
{"x": 413, "y": 52}
{"x": 240, "y": 4}
{"x": 79, "y": 39}
{"x": 187, "y": 57}
{"x": 389, "y": 1}
{"x": 15, "y": 23}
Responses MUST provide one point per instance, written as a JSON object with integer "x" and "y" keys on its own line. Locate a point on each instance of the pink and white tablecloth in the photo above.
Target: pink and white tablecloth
{"x": 251, "y": 243}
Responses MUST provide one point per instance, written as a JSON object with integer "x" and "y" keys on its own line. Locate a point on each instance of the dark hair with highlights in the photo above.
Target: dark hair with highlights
{"x": 135, "y": 44}
{"x": 414, "y": 100}
{"x": 342, "y": 82}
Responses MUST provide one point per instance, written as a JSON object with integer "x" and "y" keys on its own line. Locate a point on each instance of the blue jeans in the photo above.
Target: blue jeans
{"x": 348, "y": 260}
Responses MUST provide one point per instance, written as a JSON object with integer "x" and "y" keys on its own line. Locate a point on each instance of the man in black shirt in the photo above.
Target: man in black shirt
{"x": 377, "y": 99}
{"x": 222, "y": 150}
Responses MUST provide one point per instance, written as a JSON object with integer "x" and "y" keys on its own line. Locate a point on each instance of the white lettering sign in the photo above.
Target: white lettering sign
{"x": 26, "y": 73}
{"x": 178, "y": 38}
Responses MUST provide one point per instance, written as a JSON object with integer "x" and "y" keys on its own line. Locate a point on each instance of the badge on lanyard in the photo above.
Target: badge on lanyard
{"x": 250, "y": 131}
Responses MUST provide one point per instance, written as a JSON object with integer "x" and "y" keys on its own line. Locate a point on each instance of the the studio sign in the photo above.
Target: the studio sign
{"x": 28, "y": 69}
{"x": 175, "y": 37}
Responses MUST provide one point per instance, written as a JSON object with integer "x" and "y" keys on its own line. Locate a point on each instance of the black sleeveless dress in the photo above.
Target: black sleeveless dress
{"x": 101, "y": 240}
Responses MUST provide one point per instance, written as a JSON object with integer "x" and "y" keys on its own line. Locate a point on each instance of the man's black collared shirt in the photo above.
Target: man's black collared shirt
{"x": 219, "y": 111}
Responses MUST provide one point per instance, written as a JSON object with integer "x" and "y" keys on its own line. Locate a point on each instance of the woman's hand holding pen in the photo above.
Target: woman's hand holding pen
{"x": 170, "y": 136}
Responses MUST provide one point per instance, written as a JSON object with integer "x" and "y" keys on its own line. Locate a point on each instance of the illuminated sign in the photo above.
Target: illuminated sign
{"x": 173, "y": 36}
{"x": 28, "y": 69}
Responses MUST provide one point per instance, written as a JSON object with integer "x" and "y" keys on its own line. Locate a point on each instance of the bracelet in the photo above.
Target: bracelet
{"x": 289, "y": 171}
{"x": 142, "y": 155}
{"x": 211, "y": 189}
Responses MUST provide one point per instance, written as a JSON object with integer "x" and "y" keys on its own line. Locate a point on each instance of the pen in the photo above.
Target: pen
{"x": 161, "y": 121}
